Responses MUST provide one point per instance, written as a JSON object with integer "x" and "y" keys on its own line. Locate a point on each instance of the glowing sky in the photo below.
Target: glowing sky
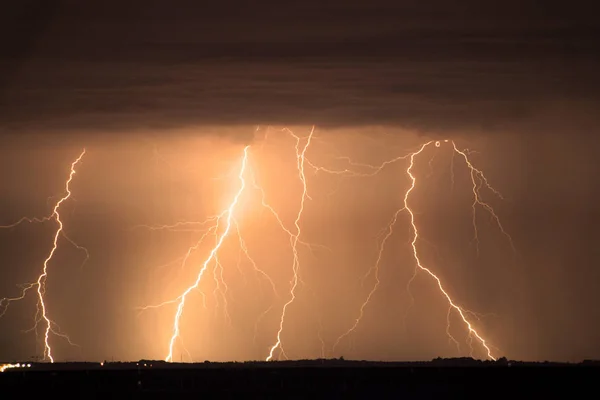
{"x": 164, "y": 99}
{"x": 533, "y": 303}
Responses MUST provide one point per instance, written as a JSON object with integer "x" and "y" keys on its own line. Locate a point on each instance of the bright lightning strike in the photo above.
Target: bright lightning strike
{"x": 460, "y": 311}
{"x": 229, "y": 221}
{"x": 478, "y": 180}
{"x": 40, "y": 284}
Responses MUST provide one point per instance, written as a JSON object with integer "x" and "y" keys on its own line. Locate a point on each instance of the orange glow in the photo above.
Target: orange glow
{"x": 231, "y": 225}
{"x": 228, "y": 215}
{"x": 252, "y": 263}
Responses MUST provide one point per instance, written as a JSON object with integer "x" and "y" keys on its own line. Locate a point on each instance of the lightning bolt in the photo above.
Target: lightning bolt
{"x": 228, "y": 215}
{"x": 452, "y": 304}
{"x": 40, "y": 284}
{"x": 217, "y": 270}
{"x": 231, "y": 227}
{"x": 294, "y": 240}
{"x": 478, "y": 180}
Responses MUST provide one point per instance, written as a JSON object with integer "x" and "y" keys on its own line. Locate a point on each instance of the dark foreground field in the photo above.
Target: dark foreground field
{"x": 457, "y": 378}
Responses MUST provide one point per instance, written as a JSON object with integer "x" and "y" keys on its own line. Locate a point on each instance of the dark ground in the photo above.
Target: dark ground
{"x": 456, "y": 378}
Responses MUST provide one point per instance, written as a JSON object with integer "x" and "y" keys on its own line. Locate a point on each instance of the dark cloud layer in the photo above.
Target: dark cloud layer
{"x": 114, "y": 67}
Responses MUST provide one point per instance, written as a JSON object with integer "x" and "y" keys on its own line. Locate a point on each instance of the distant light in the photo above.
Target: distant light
{"x": 4, "y": 367}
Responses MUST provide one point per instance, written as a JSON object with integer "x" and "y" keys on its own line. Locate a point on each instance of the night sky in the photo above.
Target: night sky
{"x": 164, "y": 96}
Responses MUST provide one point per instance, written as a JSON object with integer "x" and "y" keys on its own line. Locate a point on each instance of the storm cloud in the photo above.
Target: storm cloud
{"x": 160, "y": 66}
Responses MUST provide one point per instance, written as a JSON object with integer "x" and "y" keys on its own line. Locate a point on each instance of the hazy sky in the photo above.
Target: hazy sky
{"x": 165, "y": 96}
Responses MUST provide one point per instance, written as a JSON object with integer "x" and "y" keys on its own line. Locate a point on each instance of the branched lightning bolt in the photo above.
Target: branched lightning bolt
{"x": 229, "y": 221}
{"x": 460, "y": 311}
{"x": 294, "y": 241}
{"x": 478, "y": 180}
{"x": 40, "y": 284}
{"x": 477, "y": 174}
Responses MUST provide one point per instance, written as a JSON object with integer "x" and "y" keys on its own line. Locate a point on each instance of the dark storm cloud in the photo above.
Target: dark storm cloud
{"x": 113, "y": 67}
